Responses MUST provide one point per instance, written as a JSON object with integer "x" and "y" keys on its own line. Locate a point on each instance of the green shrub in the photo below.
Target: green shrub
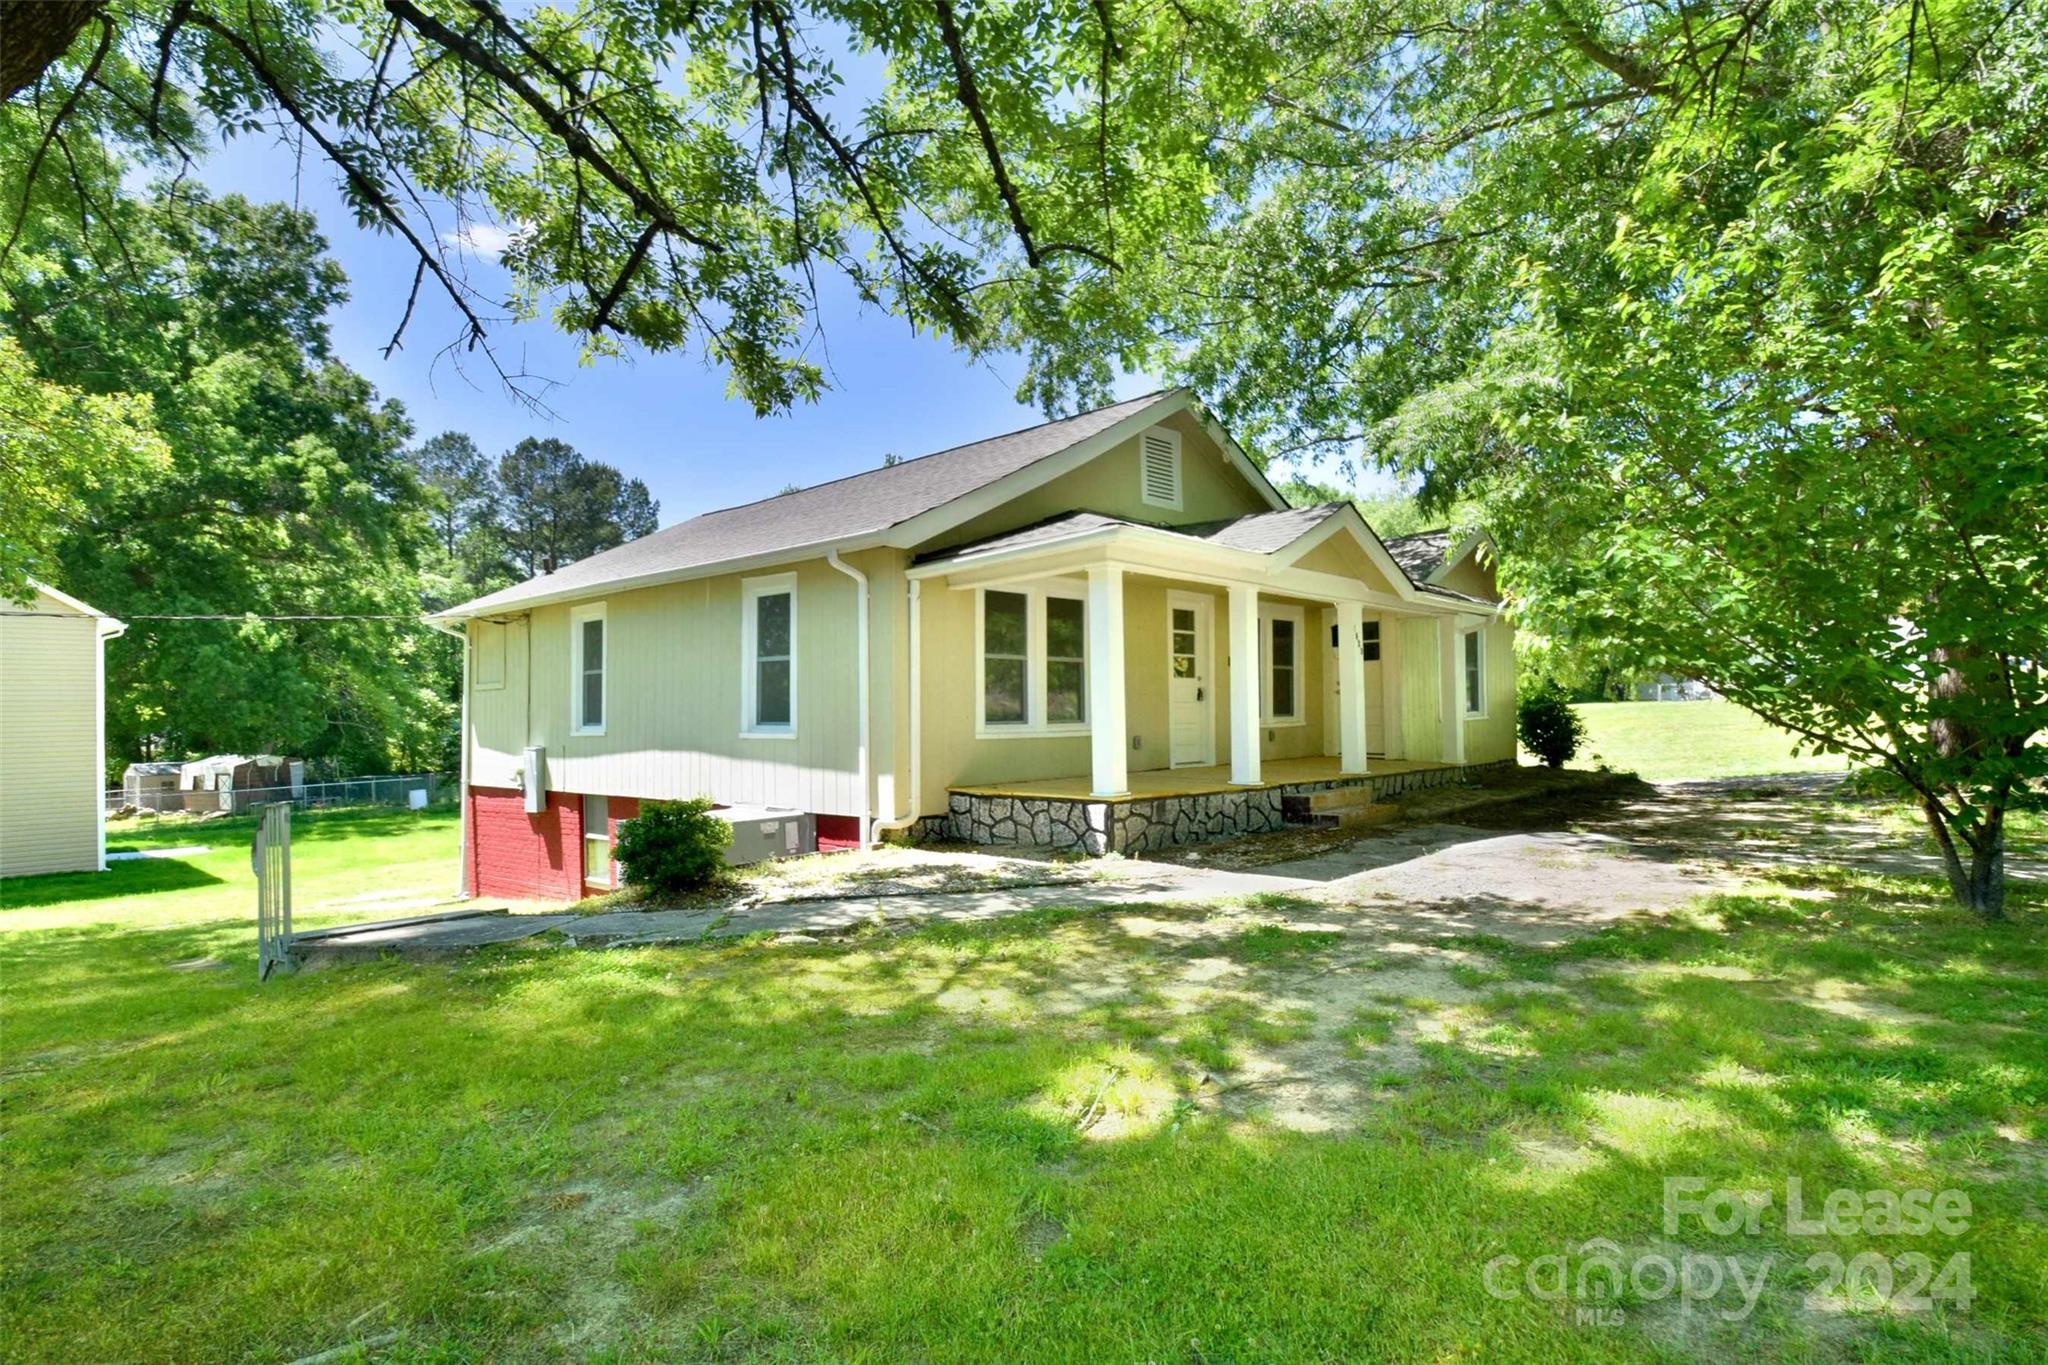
{"x": 1547, "y": 725}
{"x": 673, "y": 845}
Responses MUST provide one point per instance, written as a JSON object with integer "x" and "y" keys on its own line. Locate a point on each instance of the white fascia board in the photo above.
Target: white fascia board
{"x": 938, "y": 520}
{"x": 1367, "y": 540}
{"x": 1459, "y": 555}
{"x": 66, "y": 599}
{"x": 1165, "y": 554}
{"x": 1229, "y": 446}
{"x": 795, "y": 554}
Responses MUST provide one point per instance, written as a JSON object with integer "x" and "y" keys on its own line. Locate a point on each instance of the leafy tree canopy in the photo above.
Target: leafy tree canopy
{"x": 282, "y": 490}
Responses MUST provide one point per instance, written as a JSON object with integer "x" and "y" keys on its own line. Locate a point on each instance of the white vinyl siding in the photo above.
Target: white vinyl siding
{"x": 1031, "y": 660}
{"x": 768, "y": 657}
{"x": 1280, "y": 664}
{"x": 1159, "y": 468}
{"x": 673, "y": 704}
{"x": 49, "y": 740}
{"x": 589, "y": 650}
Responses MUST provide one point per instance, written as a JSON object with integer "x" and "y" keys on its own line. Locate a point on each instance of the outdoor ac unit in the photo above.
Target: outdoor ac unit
{"x": 533, "y": 778}
{"x": 763, "y": 832}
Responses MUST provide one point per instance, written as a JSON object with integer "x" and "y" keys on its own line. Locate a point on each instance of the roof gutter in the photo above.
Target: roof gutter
{"x": 860, "y": 584}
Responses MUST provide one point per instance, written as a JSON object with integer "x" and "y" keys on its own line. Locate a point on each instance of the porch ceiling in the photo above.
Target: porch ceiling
{"x": 1147, "y": 786}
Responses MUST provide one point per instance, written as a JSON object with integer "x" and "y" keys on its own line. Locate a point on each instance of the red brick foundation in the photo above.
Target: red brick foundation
{"x": 521, "y": 856}
{"x": 540, "y": 857}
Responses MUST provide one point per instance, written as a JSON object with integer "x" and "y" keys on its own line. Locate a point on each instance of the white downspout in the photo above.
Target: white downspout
{"x": 462, "y": 765}
{"x": 860, "y": 581}
{"x": 916, "y": 713}
{"x": 106, "y": 628}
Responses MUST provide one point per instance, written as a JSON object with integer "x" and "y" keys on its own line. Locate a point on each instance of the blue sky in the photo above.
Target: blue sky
{"x": 665, "y": 419}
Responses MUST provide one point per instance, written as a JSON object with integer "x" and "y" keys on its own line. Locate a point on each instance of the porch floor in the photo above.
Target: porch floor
{"x": 1158, "y": 782}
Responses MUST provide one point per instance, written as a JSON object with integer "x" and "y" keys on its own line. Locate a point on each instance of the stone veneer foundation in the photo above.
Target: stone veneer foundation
{"x": 1145, "y": 824}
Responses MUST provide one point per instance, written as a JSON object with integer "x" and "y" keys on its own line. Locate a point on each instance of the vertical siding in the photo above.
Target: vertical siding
{"x": 1420, "y": 693}
{"x": 50, "y": 764}
{"x": 673, "y": 700}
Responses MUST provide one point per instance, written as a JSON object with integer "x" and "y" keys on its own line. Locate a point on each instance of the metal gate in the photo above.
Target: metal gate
{"x": 271, "y": 856}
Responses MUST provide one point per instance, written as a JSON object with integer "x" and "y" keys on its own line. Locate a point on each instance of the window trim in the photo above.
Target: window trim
{"x": 1269, "y": 612}
{"x": 611, "y": 880}
{"x": 1466, "y": 669}
{"x": 752, "y": 590}
{"x": 1034, "y": 725}
{"x": 580, "y": 615}
{"x": 1172, "y": 437}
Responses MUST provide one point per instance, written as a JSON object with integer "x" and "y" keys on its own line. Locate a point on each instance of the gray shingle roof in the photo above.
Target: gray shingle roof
{"x": 1422, "y": 553}
{"x": 858, "y": 505}
{"x": 1264, "y": 532}
{"x": 1259, "y": 532}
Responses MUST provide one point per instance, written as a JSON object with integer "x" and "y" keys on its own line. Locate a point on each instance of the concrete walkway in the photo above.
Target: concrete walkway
{"x": 460, "y": 931}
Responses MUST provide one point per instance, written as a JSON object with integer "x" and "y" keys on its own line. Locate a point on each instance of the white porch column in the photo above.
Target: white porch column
{"x": 1450, "y": 712}
{"x": 1244, "y": 684}
{"x": 1108, "y": 740}
{"x": 1350, "y": 687}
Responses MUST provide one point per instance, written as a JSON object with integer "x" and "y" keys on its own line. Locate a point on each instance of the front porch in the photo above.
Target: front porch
{"x": 1308, "y": 773}
{"x": 1172, "y": 807}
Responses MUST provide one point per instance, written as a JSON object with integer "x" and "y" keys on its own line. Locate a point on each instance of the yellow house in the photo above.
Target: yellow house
{"x": 53, "y": 734}
{"x": 1109, "y": 632}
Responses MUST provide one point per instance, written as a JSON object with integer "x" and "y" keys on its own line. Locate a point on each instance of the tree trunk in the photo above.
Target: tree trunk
{"x": 1979, "y": 886}
{"x": 35, "y": 33}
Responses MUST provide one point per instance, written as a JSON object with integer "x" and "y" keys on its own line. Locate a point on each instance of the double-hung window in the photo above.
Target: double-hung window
{"x": 1280, "y": 639}
{"x": 1474, "y": 646}
{"x": 1032, "y": 660}
{"x": 589, "y": 657}
{"x": 768, "y": 656}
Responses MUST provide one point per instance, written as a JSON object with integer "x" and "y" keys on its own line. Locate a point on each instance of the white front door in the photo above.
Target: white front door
{"x": 1375, "y": 687}
{"x": 1190, "y": 679}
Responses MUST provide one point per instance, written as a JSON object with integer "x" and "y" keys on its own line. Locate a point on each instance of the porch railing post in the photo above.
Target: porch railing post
{"x": 1108, "y": 743}
{"x": 1351, "y": 686}
{"x": 1244, "y": 684}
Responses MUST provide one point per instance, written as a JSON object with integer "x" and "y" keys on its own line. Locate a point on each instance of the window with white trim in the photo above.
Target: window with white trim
{"x": 597, "y": 841}
{"x": 589, "y": 654}
{"x": 1159, "y": 468}
{"x": 1031, "y": 665}
{"x": 768, "y": 656}
{"x": 1280, "y": 659}
{"x": 1475, "y": 673}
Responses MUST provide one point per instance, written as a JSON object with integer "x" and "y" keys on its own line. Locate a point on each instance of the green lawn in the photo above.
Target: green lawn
{"x": 1047, "y": 1139}
{"x": 1677, "y": 740}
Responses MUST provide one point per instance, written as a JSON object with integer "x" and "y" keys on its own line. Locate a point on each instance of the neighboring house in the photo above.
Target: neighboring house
{"x": 1107, "y": 632}
{"x": 152, "y": 785}
{"x": 236, "y": 782}
{"x": 1665, "y": 687}
{"x": 53, "y": 734}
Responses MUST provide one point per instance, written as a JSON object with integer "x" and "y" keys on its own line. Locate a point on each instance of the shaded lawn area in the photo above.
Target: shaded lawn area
{"x": 1050, "y": 1138}
{"x": 347, "y": 865}
{"x": 1672, "y": 741}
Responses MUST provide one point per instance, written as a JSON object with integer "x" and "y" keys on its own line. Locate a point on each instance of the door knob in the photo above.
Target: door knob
{"x": 1200, "y": 694}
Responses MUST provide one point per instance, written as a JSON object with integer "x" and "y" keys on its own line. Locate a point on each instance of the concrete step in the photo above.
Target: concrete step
{"x": 1339, "y": 798}
{"x": 1341, "y": 808}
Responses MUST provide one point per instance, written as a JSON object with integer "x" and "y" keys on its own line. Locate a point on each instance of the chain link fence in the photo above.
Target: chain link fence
{"x": 414, "y": 790}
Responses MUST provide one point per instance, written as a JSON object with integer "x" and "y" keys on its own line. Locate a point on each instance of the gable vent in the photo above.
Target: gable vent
{"x": 1159, "y": 468}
